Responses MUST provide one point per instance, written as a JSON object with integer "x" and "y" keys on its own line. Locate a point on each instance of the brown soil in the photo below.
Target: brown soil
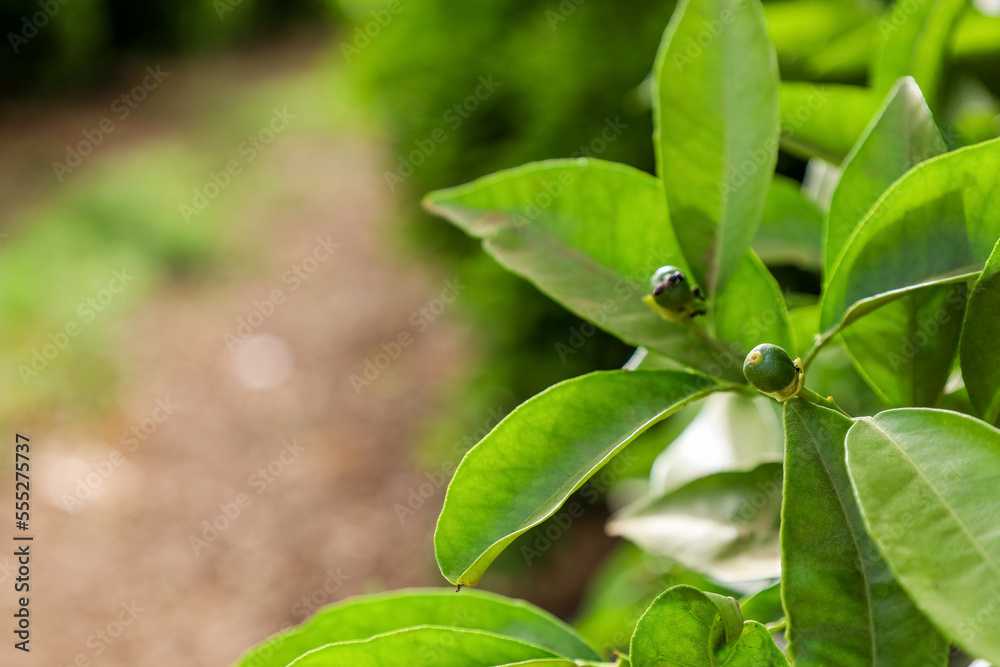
{"x": 316, "y": 528}
{"x": 319, "y": 524}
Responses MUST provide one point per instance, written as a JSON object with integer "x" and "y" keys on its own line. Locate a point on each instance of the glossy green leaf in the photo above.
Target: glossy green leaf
{"x": 588, "y": 233}
{"x": 430, "y": 645}
{"x": 904, "y": 349}
{"x": 716, "y": 130}
{"x": 685, "y": 626}
{"x": 914, "y": 41}
{"x": 927, "y": 481}
{"x": 364, "y": 617}
{"x": 941, "y": 219}
{"x": 842, "y": 604}
{"x": 752, "y": 314}
{"x": 526, "y": 467}
{"x": 724, "y": 525}
{"x": 791, "y": 230}
{"x": 864, "y": 307}
{"x": 980, "y": 345}
{"x": 901, "y": 135}
{"x": 824, "y": 120}
{"x": 625, "y": 585}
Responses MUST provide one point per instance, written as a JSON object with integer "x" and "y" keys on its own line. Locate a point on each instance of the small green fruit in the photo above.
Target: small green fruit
{"x": 770, "y": 369}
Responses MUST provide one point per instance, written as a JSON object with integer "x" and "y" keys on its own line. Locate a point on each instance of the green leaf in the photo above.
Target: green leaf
{"x": 904, "y": 350}
{"x": 589, "y": 234}
{"x": 900, "y": 136}
{"x": 980, "y": 351}
{"x": 560, "y": 662}
{"x": 926, "y": 481}
{"x": 724, "y": 525}
{"x": 754, "y": 313}
{"x": 915, "y": 41}
{"x": 716, "y": 130}
{"x": 687, "y": 627}
{"x": 842, "y": 603}
{"x": 441, "y": 647}
{"x": 824, "y": 120}
{"x": 939, "y": 220}
{"x": 625, "y": 585}
{"x": 364, "y": 617}
{"x": 526, "y": 467}
{"x": 791, "y": 230}
{"x": 802, "y": 28}
{"x": 868, "y": 305}
{"x": 846, "y": 59}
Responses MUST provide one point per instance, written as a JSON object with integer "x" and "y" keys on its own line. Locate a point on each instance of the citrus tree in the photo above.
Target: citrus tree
{"x": 859, "y": 529}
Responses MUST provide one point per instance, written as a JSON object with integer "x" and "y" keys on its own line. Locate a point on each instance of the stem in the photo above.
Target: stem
{"x": 819, "y": 343}
{"x": 826, "y": 402}
{"x": 777, "y": 626}
{"x": 698, "y": 331}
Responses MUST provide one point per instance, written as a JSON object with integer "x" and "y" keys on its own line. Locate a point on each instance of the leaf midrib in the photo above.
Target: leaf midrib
{"x": 857, "y": 545}
{"x": 951, "y": 511}
{"x": 530, "y": 522}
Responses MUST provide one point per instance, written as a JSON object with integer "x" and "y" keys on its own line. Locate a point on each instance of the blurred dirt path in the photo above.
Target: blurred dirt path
{"x": 241, "y": 485}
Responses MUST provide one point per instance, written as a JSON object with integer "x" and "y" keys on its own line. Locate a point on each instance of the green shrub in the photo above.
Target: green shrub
{"x": 868, "y": 536}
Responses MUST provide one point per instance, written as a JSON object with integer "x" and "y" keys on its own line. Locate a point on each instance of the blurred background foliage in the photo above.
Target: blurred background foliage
{"x": 64, "y": 44}
{"x": 563, "y": 69}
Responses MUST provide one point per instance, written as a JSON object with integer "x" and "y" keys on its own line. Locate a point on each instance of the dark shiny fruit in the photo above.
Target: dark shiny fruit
{"x": 671, "y": 289}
